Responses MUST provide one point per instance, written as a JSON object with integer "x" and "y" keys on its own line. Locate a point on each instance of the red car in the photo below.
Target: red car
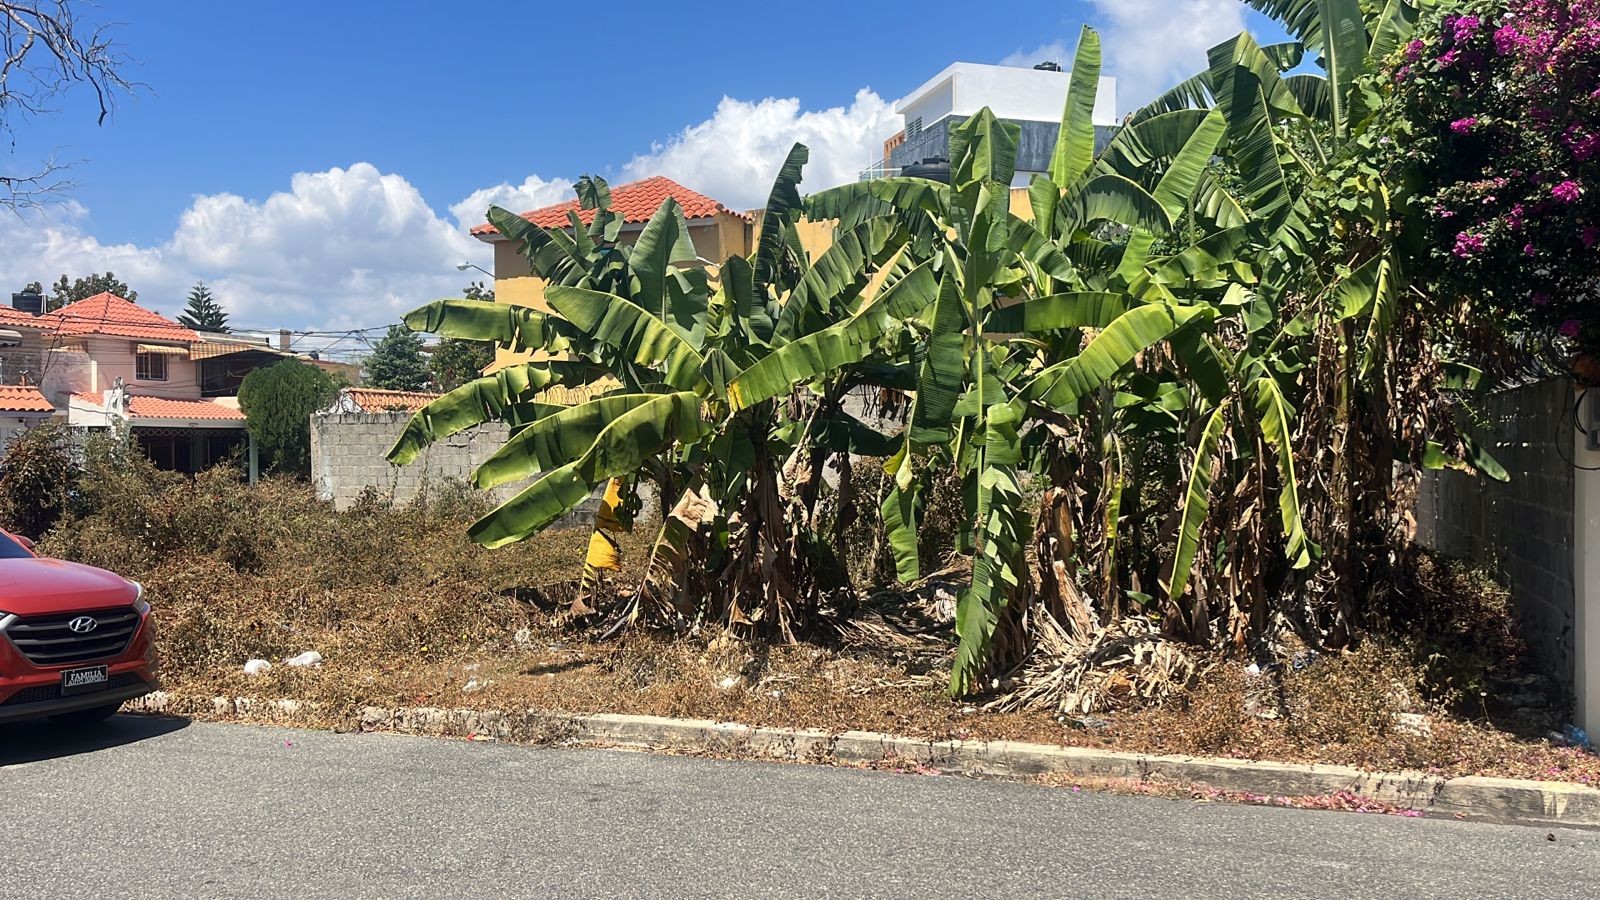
{"x": 75, "y": 641}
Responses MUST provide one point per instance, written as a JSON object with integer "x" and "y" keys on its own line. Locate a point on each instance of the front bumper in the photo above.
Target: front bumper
{"x": 39, "y": 709}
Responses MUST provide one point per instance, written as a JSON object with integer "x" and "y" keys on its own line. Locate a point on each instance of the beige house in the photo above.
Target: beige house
{"x": 716, "y": 231}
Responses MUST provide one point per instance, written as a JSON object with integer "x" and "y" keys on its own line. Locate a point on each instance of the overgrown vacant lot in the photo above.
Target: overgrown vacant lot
{"x": 406, "y": 611}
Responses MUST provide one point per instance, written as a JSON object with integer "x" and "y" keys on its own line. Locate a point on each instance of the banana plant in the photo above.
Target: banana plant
{"x": 675, "y": 356}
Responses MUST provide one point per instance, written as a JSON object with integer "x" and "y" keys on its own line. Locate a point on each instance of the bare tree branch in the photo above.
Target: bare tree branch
{"x": 47, "y": 51}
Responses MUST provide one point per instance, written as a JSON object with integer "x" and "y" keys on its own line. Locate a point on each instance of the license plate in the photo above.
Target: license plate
{"x": 81, "y": 681}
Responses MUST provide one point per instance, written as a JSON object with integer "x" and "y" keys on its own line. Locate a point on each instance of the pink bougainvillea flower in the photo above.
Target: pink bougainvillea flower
{"x": 1589, "y": 236}
{"x": 1508, "y": 39}
{"x": 1465, "y": 27}
{"x": 1540, "y": 298}
{"x": 1528, "y": 249}
{"x": 1570, "y": 328}
{"x": 1468, "y": 245}
{"x": 1583, "y": 147}
{"x": 1567, "y": 191}
{"x": 1462, "y": 126}
{"x": 1448, "y": 59}
{"x": 1414, "y": 50}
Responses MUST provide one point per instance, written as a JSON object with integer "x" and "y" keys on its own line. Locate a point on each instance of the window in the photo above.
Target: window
{"x": 150, "y": 367}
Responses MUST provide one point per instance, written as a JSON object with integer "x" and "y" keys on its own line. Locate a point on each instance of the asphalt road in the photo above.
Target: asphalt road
{"x": 161, "y": 808}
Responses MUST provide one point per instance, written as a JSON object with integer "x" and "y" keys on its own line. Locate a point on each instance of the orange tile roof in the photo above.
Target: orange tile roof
{"x": 375, "y": 400}
{"x": 161, "y": 408}
{"x": 140, "y": 407}
{"x": 11, "y": 317}
{"x": 22, "y": 398}
{"x": 636, "y": 201}
{"x": 106, "y": 313}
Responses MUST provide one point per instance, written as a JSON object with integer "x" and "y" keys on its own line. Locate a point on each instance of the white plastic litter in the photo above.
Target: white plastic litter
{"x": 471, "y": 687}
{"x": 308, "y": 658}
{"x": 256, "y": 666}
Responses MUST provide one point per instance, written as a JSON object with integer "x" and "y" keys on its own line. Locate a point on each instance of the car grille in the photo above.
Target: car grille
{"x": 47, "y": 641}
{"x": 48, "y": 692}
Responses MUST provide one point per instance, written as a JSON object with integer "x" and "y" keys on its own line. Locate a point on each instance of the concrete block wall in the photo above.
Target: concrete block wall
{"x": 1523, "y": 529}
{"x": 347, "y": 458}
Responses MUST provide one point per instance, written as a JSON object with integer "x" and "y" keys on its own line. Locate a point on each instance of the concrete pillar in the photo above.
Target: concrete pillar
{"x": 1586, "y": 549}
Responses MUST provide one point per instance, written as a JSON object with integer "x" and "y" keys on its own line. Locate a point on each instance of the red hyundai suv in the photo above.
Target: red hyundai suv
{"x": 75, "y": 641}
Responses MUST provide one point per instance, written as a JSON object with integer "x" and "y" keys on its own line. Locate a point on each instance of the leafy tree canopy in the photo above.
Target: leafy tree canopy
{"x": 68, "y": 290}
{"x": 278, "y": 401}
{"x": 397, "y": 362}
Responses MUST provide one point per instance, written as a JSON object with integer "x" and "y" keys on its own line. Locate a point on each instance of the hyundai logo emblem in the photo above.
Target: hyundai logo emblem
{"x": 83, "y": 624}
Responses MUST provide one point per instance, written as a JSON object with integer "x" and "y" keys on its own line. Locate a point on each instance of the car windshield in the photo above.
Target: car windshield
{"x": 10, "y": 549}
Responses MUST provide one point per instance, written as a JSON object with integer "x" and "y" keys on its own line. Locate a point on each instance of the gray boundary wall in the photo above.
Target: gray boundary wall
{"x": 1523, "y": 529}
{"x": 347, "y": 458}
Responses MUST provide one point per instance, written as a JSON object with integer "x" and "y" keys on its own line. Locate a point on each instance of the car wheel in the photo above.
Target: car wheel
{"x": 94, "y": 715}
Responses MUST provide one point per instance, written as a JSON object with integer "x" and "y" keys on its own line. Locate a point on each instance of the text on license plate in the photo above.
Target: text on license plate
{"x": 84, "y": 679}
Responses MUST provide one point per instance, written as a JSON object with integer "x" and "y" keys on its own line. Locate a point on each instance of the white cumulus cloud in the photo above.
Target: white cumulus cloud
{"x": 340, "y": 248}
{"x": 1150, "y": 45}
{"x": 734, "y": 155}
{"x": 533, "y": 193}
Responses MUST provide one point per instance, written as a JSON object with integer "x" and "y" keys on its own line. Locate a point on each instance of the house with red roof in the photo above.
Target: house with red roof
{"x": 106, "y": 361}
{"x": 716, "y": 232}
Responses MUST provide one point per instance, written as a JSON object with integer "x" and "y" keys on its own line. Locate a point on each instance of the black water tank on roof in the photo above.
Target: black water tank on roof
{"x": 936, "y": 168}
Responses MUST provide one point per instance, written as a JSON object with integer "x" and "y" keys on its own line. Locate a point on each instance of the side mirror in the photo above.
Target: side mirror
{"x": 27, "y": 543}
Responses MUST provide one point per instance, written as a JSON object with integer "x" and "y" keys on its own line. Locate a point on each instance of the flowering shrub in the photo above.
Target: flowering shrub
{"x": 1502, "y": 102}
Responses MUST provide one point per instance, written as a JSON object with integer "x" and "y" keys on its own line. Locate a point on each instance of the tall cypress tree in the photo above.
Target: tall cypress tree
{"x": 397, "y": 362}
{"x": 204, "y": 313}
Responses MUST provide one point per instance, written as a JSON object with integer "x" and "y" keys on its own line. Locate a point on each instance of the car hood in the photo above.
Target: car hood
{"x": 30, "y": 587}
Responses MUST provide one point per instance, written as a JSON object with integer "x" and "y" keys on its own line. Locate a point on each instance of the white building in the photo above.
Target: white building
{"x": 1032, "y": 98}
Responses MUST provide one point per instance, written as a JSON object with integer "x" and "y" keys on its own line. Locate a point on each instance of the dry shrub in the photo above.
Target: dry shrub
{"x": 268, "y": 571}
{"x": 1353, "y": 697}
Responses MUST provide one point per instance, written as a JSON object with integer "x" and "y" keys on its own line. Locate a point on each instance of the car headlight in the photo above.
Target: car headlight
{"x": 139, "y": 603}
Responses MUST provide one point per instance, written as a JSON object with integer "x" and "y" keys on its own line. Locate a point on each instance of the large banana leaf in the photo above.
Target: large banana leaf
{"x": 1196, "y": 501}
{"x": 482, "y": 400}
{"x": 1344, "y": 53}
{"x": 1063, "y": 384}
{"x": 777, "y": 217}
{"x": 1074, "y": 150}
{"x": 1276, "y": 416}
{"x": 663, "y": 241}
{"x": 1157, "y": 139}
{"x": 1301, "y": 18}
{"x": 983, "y": 149}
{"x": 1192, "y": 92}
{"x": 1313, "y": 95}
{"x": 1178, "y": 184}
{"x": 837, "y": 276}
{"x": 642, "y": 337}
{"x": 826, "y": 351}
{"x": 998, "y": 564}
{"x": 1112, "y": 198}
{"x": 1079, "y": 309}
{"x": 509, "y": 325}
{"x": 618, "y": 449}
{"x": 557, "y": 439}
{"x": 944, "y": 368}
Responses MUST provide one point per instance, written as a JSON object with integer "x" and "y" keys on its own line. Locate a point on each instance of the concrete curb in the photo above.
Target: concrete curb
{"x": 1496, "y": 799}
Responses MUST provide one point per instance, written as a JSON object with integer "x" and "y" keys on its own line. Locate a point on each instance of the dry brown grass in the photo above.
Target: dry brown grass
{"x": 407, "y": 612}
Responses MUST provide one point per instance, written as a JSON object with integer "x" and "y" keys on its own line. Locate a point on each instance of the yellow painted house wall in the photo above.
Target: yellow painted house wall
{"x": 715, "y": 238}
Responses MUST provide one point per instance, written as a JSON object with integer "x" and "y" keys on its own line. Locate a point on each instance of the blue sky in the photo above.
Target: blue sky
{"x": 453, "y": 107}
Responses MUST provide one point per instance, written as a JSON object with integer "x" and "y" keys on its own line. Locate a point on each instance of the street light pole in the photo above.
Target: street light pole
{"x": 462, "y": 267}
